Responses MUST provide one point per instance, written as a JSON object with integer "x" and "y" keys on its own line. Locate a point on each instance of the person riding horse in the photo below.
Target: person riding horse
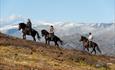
{"x": 55, "y": 39}
{"x": 51, "y": 32}
{"x": 90, "y": 38}
{"x": 29, "y": 26}
{"x": 92, "y": 44}
{"x": 25, "y": 31}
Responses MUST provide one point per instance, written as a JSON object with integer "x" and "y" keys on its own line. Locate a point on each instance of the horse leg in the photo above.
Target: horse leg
{"x": 88, "y": 49}
{"x": 56, "y": 44}
{"x": 34, "y": 38}
{"x": 45, "y": 40}
{"x": 48, "y": 42}
{"x": 24, "y": 36}
{"x": 93, "y": 50}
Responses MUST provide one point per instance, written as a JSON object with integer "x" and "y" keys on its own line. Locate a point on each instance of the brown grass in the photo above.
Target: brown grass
{"x": 19, "y": 54}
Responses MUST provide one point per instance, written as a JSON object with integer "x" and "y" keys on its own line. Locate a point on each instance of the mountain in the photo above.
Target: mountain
{"x": 62, "y": 28}
{"x": 69, "y": 32}
{"x": 104, "y": 37}
{"x": 19, "y": 54}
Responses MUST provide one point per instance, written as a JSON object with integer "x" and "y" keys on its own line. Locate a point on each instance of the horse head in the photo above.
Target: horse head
{"x": 44, "y": 32}
{"x": 22, "y": 26}
{"x": 83, "y": 38}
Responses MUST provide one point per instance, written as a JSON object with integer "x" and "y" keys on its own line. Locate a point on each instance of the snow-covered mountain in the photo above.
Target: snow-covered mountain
{"x": 62, "y": 28}
{"x": 104, "y": 37}
{"x": 70, "y": 32}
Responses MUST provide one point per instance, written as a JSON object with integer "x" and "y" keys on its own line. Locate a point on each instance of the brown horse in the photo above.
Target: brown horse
{"x": 25, "y": 31}
{"x": 93, "y": 45}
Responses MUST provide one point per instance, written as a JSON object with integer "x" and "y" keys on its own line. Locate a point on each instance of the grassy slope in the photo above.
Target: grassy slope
{"x": 18, "y": 54}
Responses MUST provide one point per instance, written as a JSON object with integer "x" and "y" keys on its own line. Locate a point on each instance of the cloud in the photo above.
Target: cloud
{"x": 18, "y": 17}
{"x": 12, "y": 19}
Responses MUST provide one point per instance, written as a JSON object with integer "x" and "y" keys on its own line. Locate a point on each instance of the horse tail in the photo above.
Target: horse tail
{"x": 38, "y": 36}
{"x": 98, "y": 48}
{"x": 61, "y": 41}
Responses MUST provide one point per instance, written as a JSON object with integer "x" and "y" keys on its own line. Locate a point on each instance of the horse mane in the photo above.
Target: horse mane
{"x": 22, "y": 25}
{"x": 45, "y": 31}
{"x": 84, "y": 37}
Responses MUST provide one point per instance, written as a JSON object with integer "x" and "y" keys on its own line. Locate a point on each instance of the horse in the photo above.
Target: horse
{"x": 25, "y": 31}
{"x": 93, "y": 45}
{"x": 56, "y": 39}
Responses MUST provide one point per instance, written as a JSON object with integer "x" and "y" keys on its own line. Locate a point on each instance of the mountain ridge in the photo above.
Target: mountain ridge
{"x": 70, "y": 32}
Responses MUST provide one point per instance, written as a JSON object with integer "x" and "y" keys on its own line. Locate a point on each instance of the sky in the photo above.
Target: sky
{"x": 97, "y": 11}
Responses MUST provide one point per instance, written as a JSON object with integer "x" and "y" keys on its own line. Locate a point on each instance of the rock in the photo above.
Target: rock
{"x": 109, "y": 64}
{"x": 100, "y": 64}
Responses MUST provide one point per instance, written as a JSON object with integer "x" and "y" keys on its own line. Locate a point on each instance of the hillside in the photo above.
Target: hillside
{"x": 19, "y": 54}
{"x": 70, "y": 33}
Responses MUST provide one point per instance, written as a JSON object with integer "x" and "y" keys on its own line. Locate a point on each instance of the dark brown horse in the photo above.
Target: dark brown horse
{"x": 45, "y": 33}
{"x": 25, "y": 31}
{"x": 93, "y": 45}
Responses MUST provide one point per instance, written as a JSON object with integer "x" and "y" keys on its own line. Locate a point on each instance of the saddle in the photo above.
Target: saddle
{"x": 87, "y": 44}
{"x": 28, "y": 30}
{"x": 50, "y": 36}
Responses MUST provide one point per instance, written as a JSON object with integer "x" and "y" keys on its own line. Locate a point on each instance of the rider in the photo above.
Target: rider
{"x": 51, "y": 32}
{"x": 90, "y": 38}
{"x": 29, "y": 25}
